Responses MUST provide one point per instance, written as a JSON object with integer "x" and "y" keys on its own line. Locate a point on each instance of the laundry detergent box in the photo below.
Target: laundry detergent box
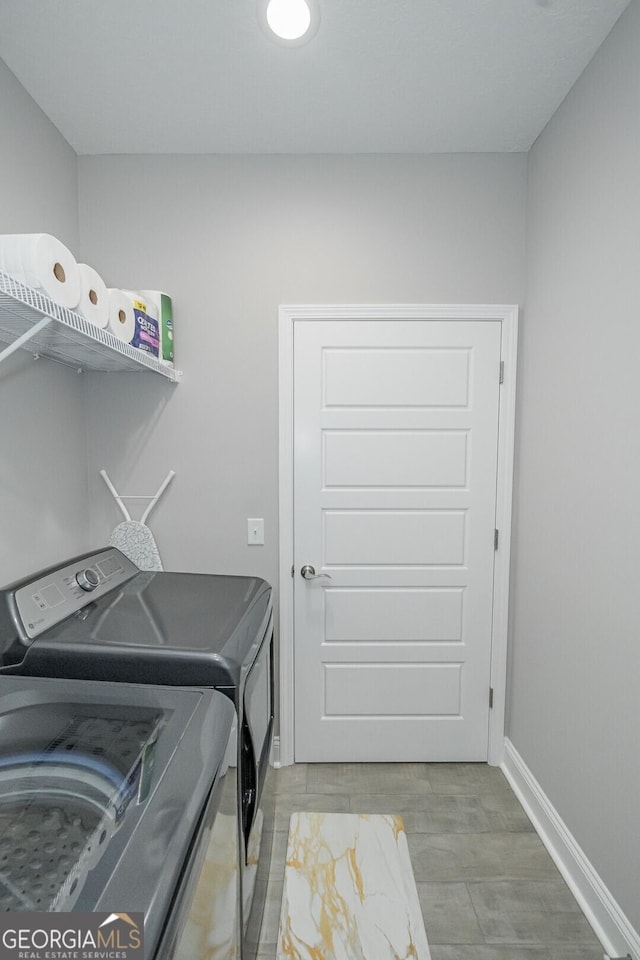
{"x": 147, "y": 332}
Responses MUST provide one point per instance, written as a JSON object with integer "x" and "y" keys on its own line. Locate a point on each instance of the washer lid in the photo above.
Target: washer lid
{"x": 97, "y": 804}
{"x": 68, "y": 774}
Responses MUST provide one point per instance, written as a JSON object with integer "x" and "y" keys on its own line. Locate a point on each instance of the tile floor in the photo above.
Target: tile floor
{"x": 487, "y": 886}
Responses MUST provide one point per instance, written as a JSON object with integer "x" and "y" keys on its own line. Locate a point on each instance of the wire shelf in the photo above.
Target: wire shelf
{"x": 71, "y": 338}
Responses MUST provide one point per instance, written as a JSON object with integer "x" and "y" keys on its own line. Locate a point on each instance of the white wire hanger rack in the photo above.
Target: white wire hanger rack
{"x": 31, "y": 321}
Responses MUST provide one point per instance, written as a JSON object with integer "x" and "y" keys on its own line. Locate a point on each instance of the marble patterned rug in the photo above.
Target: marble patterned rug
{"x": 349, "y": 890}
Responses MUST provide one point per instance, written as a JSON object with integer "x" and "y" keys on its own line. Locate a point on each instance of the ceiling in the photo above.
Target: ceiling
{"x": 380, "y": 76}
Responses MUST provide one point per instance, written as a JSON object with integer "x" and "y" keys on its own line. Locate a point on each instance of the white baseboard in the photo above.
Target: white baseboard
{"x": 609, "y": 923}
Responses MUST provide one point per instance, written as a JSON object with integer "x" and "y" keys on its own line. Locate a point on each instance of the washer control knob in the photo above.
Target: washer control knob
{"x": 87, "y": 579}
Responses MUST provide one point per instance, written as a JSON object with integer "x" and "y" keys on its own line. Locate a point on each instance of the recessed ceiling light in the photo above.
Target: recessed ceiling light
{"x": 290, "y": 22}
{"x": 289, "y": 19}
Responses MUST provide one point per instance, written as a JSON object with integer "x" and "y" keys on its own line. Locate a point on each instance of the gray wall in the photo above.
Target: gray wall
{"x": 43, "y": 484}
{"x": 231, "y": 238}
{"x": 575, "y": 646}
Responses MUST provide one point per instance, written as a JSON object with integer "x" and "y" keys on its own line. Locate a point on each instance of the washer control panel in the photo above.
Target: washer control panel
{"x": 57, "y": 594}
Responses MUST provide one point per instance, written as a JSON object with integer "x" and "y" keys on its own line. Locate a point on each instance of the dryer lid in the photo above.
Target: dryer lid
{"x": 175, "y": 628}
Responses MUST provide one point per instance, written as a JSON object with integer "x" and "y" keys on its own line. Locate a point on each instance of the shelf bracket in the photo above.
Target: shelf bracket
{"x": 21, "y": 341}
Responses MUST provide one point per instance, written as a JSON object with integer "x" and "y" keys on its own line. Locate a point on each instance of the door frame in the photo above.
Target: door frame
{"x": 289, "y": 316}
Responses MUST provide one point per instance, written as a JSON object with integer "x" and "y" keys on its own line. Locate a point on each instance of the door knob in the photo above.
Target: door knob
{"x": 309, "y": 573}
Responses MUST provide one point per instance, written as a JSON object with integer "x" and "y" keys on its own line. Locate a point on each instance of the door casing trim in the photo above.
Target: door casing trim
{"x": 289, "y": 316}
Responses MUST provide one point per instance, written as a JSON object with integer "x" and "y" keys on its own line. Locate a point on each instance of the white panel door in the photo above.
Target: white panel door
{"x": 395, "y": 453}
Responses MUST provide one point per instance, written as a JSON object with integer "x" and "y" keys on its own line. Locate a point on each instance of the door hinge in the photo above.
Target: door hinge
{"x": 490, "y": 698}
{"x": 293, "y": 570}
{"x": 496, "y": 537}
{"x": 501, "y": 371}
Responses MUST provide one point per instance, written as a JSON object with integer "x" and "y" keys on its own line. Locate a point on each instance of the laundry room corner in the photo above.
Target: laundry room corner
{"x": 43, "y": 491}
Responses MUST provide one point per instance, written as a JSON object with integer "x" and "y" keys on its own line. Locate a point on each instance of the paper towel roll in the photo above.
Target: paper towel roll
{"x": 164, "y": 314}
{"x": 42, "y": 262}
{"x": 94, "y": 299}
{"x": 142, "y": 302}
{"x": 152, "y": 299}
{"x": 122, "y": 323}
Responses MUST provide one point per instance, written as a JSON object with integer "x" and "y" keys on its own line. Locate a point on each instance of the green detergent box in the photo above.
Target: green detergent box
{"x": 165, "y": 318}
